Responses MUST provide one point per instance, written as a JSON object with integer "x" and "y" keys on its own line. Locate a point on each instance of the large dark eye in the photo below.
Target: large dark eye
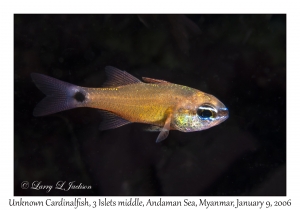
{"x": 206, "y": 112}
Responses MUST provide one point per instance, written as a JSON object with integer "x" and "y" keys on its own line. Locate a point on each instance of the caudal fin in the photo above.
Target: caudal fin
{"x": 60, "y": 95}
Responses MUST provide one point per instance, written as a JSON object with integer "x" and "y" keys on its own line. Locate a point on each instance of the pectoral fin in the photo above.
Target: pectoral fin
{"x": 165, "y": 130}
{"x": 162, "y": 135}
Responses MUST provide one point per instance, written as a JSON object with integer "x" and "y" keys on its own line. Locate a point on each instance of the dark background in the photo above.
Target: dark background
{"x": 240, "y": 59}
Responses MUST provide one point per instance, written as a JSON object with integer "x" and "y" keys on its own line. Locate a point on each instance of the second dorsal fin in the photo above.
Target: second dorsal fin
{"x": 116, "y": 77}
{"x": 151, "y": 80}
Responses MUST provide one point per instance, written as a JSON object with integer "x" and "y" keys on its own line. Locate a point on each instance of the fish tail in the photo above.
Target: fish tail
{"x": 60, "y": 95}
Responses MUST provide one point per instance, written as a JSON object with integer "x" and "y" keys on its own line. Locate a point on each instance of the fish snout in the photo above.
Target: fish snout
{"x": 223, "y": 114}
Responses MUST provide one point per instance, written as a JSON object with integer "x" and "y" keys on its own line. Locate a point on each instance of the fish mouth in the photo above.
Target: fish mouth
{"x": 223, "y": 114}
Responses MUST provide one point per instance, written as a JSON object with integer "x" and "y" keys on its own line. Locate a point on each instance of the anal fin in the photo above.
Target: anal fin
{"x": 111, "y": 121}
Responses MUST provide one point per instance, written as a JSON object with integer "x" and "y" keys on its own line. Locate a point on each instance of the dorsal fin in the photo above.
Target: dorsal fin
{"x": 116, "y": 77}
{"x": 151, "y": 80}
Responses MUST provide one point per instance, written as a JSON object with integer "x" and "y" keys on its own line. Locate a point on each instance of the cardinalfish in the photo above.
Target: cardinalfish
{"x": 124, "y": 99}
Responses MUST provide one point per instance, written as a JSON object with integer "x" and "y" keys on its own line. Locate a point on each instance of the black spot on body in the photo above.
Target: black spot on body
{"x": 80, "y": 97}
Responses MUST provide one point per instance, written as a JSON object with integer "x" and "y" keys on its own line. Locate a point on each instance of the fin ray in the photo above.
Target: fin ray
{"x": 116, "y": 77}
{"x": 162, "y": 135}
{"x": 59, "y": 95}
{"x": 151, "y": 80}
{"x": 152, "y": 128}
{"x": 165, "y": 130}
{"x": 111, "y": 121}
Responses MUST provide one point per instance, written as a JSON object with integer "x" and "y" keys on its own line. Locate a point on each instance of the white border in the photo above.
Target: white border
{"x": 8, "y": 8}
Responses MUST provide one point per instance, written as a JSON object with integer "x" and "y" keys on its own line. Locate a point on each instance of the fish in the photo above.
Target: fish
{"x": 124, "y": 99}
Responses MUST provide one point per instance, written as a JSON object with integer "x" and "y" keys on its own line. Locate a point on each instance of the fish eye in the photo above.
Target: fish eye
{"x": 206, "y": 112}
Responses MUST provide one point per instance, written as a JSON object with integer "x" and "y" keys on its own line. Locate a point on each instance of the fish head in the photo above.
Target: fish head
{"x": 199, "y": 112}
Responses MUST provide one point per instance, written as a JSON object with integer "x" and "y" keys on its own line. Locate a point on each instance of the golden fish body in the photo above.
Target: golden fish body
{"x": 142, "y": 102}
{"x": 126, "y": 99}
